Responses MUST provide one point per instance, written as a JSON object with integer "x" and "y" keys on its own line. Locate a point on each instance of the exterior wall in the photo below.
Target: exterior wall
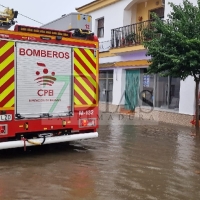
{"x": 127, "y": 18}
{"x": 119, "y": 77}
{"x": 118, "y": 83}
{"x": 134, "y": 14}
{"x": 187, "y": 96}
{"x": 123, "y": 87}
{"x": 144, "y": 7}
{"x": 139, "y": 55}
{"x": 128, "y": 12}
{"x": 157, "y": 115}
{"x": 111, "y": 19}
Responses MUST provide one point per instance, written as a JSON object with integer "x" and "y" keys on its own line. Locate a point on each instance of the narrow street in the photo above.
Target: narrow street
{"x": 138, "y": 161}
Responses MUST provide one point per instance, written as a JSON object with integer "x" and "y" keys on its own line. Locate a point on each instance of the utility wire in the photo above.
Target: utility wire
{"x": 30, "y": 18}
{"x": 24, "y": 16}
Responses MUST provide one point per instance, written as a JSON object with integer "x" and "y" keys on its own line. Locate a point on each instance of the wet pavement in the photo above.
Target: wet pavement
{"x": 138, "y": 161}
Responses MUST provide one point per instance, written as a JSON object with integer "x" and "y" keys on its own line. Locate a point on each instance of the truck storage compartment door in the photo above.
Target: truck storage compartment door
{"x": 44, "y": 80}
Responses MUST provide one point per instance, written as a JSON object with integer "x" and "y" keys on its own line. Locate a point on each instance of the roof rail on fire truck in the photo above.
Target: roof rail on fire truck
{"x": 44, "y": 31}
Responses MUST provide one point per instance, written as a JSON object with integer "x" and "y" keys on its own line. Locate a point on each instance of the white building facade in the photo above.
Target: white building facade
{"x": 123, "y": 60}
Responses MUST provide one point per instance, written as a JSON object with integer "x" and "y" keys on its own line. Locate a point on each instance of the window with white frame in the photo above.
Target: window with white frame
{"x": 100, "y": 27}
{"x": 106, "y": 86}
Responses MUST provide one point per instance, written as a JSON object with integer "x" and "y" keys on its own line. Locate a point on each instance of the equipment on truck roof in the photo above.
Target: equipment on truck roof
{"x": 78, "y": 23}
{"x": 7, "y": 18}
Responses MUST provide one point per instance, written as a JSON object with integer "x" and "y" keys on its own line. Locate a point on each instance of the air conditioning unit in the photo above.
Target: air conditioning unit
{"x": 163, "y": 2}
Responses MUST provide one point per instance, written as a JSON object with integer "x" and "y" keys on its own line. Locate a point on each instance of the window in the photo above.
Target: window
{"x": 159, "y": 12}
{"x": 100, "y": 27}
{"x": 147, "y": 89}
{"x": 167, "y": 92}
{"x": 106, "y": 86}
{"x": 162, "y": 92}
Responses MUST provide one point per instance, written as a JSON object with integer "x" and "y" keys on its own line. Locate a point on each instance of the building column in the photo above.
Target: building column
{"x": 118, "y": 86}
{"x": 169, "y": 91}
{"x": 187, "y": 96}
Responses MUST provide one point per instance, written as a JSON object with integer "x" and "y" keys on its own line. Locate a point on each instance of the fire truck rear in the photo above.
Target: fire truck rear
{"x": 48, "y": 84}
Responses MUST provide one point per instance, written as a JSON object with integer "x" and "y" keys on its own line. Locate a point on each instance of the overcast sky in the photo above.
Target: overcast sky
{"x": 43, "y": 11}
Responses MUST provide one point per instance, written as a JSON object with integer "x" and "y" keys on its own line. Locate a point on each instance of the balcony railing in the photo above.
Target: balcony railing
{"x": 129, "y": 35}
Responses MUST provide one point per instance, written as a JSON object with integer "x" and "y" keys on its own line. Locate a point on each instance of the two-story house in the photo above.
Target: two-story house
{"x": 123, "y": 62}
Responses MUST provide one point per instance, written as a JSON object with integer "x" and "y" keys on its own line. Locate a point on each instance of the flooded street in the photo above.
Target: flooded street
{"x": 142, "y": 161}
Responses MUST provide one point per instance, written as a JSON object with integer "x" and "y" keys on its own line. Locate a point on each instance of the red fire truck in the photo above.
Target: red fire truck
{"x": 48, "y": 85}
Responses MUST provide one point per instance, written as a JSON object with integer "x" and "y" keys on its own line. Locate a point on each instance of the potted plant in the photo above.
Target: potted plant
{"x": 122, "y": 42}
{"x": 130, "y": 38}
{"x": 147, "y": 35}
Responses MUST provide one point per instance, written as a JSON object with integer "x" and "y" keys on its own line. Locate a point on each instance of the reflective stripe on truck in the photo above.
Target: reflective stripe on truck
{"x": 85, "y": 82}
{"x": 7, "y": 84}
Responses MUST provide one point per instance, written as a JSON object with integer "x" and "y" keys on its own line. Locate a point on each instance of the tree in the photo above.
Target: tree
{"x": 174, "y": 45}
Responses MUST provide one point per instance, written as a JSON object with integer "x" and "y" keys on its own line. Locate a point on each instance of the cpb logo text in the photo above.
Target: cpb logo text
{"x": 45, "y": 93}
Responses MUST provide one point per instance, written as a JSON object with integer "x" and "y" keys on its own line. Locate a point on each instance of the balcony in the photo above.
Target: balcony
{"x": 130, "y": 35}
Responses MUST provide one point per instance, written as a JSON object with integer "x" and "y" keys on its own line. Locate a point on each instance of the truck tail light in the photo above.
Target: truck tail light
{"x": 3, "y": 129}
{"x": 87, "y": 123}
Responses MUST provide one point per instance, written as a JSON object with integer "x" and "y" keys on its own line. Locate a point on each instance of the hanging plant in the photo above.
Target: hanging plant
{"x": 140, "y": 18}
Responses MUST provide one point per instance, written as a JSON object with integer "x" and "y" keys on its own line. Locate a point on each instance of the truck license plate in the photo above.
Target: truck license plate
{"x": 7, "y": 117}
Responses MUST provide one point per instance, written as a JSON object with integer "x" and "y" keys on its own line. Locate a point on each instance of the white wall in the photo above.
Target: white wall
{"x": 113, "y": 18}
{"x": 133, "y": 15}
{"x": 187, "y": 96}
{"x": 187, "y": 88}
{"x": 126, "y": 18}
{"x": 118, "y": 86}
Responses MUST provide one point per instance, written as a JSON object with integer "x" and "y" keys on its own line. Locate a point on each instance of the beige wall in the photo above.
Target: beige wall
{"x": 134, "y": 14}
{"x": 143, "y": 8}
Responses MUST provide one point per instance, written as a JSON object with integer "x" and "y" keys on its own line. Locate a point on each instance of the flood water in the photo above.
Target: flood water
{"x": 128, "y": 161}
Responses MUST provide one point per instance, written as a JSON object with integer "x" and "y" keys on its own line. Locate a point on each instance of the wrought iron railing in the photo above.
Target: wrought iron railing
{"x": 129, "y": 35}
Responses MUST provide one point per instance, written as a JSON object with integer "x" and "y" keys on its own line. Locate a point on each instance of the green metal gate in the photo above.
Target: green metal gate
{"x": 132, "y": 89}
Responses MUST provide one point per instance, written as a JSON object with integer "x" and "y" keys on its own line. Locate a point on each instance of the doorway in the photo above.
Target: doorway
{"x": 132, "y": 89}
